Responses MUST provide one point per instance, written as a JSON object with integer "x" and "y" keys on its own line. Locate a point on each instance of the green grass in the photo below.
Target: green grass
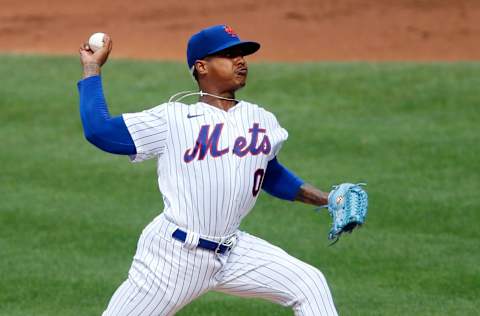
{"x": 70, "y": 215}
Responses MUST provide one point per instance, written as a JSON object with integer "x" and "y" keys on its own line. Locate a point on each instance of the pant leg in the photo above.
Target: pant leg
{"x": 164, "y": 276}
{"x": 256, "y": 268}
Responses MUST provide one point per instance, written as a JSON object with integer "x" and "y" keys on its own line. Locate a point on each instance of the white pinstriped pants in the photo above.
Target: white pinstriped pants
{"x": 165, "y": 276}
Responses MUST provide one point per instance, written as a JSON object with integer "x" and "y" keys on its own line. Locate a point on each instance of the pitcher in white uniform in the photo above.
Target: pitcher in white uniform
{"x": 214, "y": 157}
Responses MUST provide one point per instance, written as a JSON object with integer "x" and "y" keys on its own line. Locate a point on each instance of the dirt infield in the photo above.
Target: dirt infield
{"x": 288, "y": 30}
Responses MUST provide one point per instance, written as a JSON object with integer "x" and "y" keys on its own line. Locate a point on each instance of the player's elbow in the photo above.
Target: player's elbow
{"x": 90, "y": 128}
{"x": 93, "y": 137}
{"x": 93, "y": 133}
{"x": 103, "y": 140}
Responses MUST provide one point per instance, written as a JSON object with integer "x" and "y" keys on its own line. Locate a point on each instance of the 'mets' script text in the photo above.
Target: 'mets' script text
{"x": 207, "y": 143}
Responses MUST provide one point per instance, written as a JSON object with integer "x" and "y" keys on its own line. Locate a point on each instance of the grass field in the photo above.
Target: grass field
{"x": 70, "y": 215}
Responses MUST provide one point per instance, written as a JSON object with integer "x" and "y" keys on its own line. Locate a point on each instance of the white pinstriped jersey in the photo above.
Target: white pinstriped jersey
{"x": 211, "y": 162}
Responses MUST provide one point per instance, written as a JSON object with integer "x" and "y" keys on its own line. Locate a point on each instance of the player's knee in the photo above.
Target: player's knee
{"x": 313, "y": 297}
{"x": 313, "y": 283}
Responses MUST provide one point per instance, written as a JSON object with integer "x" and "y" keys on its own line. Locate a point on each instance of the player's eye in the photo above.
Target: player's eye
{"x": 225, "y": 54}
{"x": 230, "y": 54}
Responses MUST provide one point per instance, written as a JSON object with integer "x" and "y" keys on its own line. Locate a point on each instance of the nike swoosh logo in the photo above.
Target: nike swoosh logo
{"x": 192, "y": 116}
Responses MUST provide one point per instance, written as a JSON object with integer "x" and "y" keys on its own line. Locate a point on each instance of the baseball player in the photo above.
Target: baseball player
{"x": 214, "y": 157}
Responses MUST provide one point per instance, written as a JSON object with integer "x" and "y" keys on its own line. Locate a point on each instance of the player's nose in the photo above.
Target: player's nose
{"x": 240, "y": 61}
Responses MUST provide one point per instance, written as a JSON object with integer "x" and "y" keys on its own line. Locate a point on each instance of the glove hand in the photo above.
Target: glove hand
{"x": 347, "y": 205}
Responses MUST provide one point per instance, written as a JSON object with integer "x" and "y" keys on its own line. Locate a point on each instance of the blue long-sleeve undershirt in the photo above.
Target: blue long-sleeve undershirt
{"x": 107, "y": 133}
{"x": 110, "y": 134}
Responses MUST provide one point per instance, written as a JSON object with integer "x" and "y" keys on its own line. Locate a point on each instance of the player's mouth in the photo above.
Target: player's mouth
{"x": 242, "y": 71}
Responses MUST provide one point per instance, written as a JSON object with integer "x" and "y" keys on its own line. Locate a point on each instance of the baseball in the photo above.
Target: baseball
{"x": 96, "y": 41}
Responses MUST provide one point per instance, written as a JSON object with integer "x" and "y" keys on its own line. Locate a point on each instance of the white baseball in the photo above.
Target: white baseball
{"x": 96, "y": 41}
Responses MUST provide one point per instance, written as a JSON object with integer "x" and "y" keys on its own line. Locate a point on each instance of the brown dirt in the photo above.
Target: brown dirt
{"x": 288, "y": 30}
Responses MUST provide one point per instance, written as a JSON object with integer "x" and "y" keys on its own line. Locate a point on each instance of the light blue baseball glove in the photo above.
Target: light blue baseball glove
{"x": 347, "y": 205}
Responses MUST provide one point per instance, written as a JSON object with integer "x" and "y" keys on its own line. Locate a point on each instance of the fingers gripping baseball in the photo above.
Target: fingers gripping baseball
{"x": 99, "y": 57}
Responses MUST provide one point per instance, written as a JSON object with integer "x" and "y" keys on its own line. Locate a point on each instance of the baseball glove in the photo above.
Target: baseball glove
{"x": 347, "y": 205}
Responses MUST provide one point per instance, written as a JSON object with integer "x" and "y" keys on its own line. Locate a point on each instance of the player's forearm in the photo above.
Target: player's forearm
{"x": 90, "y": 69}
{"x": 311, "y": 195}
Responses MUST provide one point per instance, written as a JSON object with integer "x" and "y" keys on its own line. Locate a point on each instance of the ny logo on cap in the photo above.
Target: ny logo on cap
{"x": 230, "y": 31}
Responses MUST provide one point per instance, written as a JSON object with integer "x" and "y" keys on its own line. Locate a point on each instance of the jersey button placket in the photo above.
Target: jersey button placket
{"x": 234, "y": 159}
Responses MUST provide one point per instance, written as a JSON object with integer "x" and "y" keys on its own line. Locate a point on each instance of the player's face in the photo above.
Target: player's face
{"x": 228, "y": 69}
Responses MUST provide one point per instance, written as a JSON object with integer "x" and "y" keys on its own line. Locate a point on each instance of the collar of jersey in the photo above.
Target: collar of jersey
{"x": 214, "y": 108}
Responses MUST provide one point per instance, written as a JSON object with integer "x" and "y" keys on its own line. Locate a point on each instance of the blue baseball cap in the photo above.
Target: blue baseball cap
{"x": 215, "y": 39}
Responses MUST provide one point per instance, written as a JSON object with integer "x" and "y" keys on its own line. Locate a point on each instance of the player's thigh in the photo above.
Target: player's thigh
{"x": 256, "y": 268}
{"x": 164, "y": 277}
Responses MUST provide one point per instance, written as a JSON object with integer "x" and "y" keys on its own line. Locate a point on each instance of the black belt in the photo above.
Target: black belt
{"x": 219, "y": 248}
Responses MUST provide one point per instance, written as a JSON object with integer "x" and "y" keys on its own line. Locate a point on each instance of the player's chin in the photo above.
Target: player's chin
{"x": 241, "y": 81}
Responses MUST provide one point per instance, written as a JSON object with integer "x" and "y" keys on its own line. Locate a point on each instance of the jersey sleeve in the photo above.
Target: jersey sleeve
{"x": 278, "y": 135}
{"x": 149, "y": 132}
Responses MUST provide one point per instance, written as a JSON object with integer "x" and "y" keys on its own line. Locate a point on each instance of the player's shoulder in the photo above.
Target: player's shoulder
{"x": 262, "y": 111}
{"x": 167, "y": 107}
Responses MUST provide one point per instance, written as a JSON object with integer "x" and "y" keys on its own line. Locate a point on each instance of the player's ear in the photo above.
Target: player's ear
{"x": 201, "y": 67}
